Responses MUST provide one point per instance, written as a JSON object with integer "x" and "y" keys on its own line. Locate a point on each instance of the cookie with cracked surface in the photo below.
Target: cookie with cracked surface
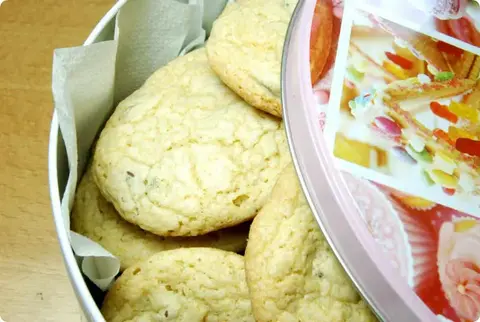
{"x": 95, "y": 218}
{"x": 183, "y": 285}
{"x": 185, "y": 156}
{"x": 246, "y": 44}
{"x": 292, "y": 273}
{"x": 245, "y": 50}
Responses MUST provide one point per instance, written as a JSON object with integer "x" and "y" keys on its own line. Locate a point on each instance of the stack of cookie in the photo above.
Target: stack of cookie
{"x": 182, "y": 167}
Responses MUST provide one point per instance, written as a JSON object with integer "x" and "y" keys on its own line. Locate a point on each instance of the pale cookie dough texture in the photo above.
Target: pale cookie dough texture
{"x": 95, "y": 218}
{"x": 292, "y": 273}
{"x": 182, "y": 285}
{"x": 245, "y": 50}
{"x": 185, "y": 156}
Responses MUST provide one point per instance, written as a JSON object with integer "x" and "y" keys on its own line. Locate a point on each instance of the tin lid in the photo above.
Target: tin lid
{"x": 392, "y": 242}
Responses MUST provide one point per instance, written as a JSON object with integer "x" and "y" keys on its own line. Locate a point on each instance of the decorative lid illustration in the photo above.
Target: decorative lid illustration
{"x": 395, "y": 112}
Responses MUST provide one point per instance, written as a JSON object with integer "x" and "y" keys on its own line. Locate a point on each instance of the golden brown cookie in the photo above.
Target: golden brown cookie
{"x": 185, "y": 156}
{"x": 245, "y": 50}
{"x": 95, "y": 218}
{"x": 292, "y": 273}
{"x": 181, "y": 285}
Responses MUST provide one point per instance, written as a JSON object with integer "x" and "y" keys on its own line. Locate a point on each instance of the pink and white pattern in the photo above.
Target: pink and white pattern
{"x": 423, "y": 242}
{"x": 383, "y": 223}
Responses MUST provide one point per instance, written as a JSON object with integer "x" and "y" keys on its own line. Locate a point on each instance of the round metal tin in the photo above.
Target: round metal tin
{"x": 325, "y": 188}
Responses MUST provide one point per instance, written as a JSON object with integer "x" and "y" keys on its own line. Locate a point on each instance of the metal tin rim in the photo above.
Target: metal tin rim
{"x": 390, "y": 297}
{"x": 85, "y": 299}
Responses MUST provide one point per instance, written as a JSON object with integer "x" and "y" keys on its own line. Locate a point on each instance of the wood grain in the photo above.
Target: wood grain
{"x": 33, "y": 281}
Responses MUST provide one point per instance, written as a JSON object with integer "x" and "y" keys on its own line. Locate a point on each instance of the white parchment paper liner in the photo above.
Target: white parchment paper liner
{"x": 88, "y": 81}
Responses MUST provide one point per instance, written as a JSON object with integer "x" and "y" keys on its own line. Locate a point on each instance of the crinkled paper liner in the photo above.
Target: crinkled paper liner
{"x": 88, "y": 81}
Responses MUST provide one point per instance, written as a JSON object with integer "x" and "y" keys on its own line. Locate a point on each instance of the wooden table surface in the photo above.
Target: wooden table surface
{"x": 33, "y": 281}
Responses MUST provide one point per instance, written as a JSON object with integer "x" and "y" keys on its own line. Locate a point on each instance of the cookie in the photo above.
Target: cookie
{"x": 246, "y": 45}
{"x": 292, "y": 273}
{"x": 245, "y": 50}
{"x": 95, "y": 218}
{"x": 185, "y": 156}
{"x": 182, "y": 285}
